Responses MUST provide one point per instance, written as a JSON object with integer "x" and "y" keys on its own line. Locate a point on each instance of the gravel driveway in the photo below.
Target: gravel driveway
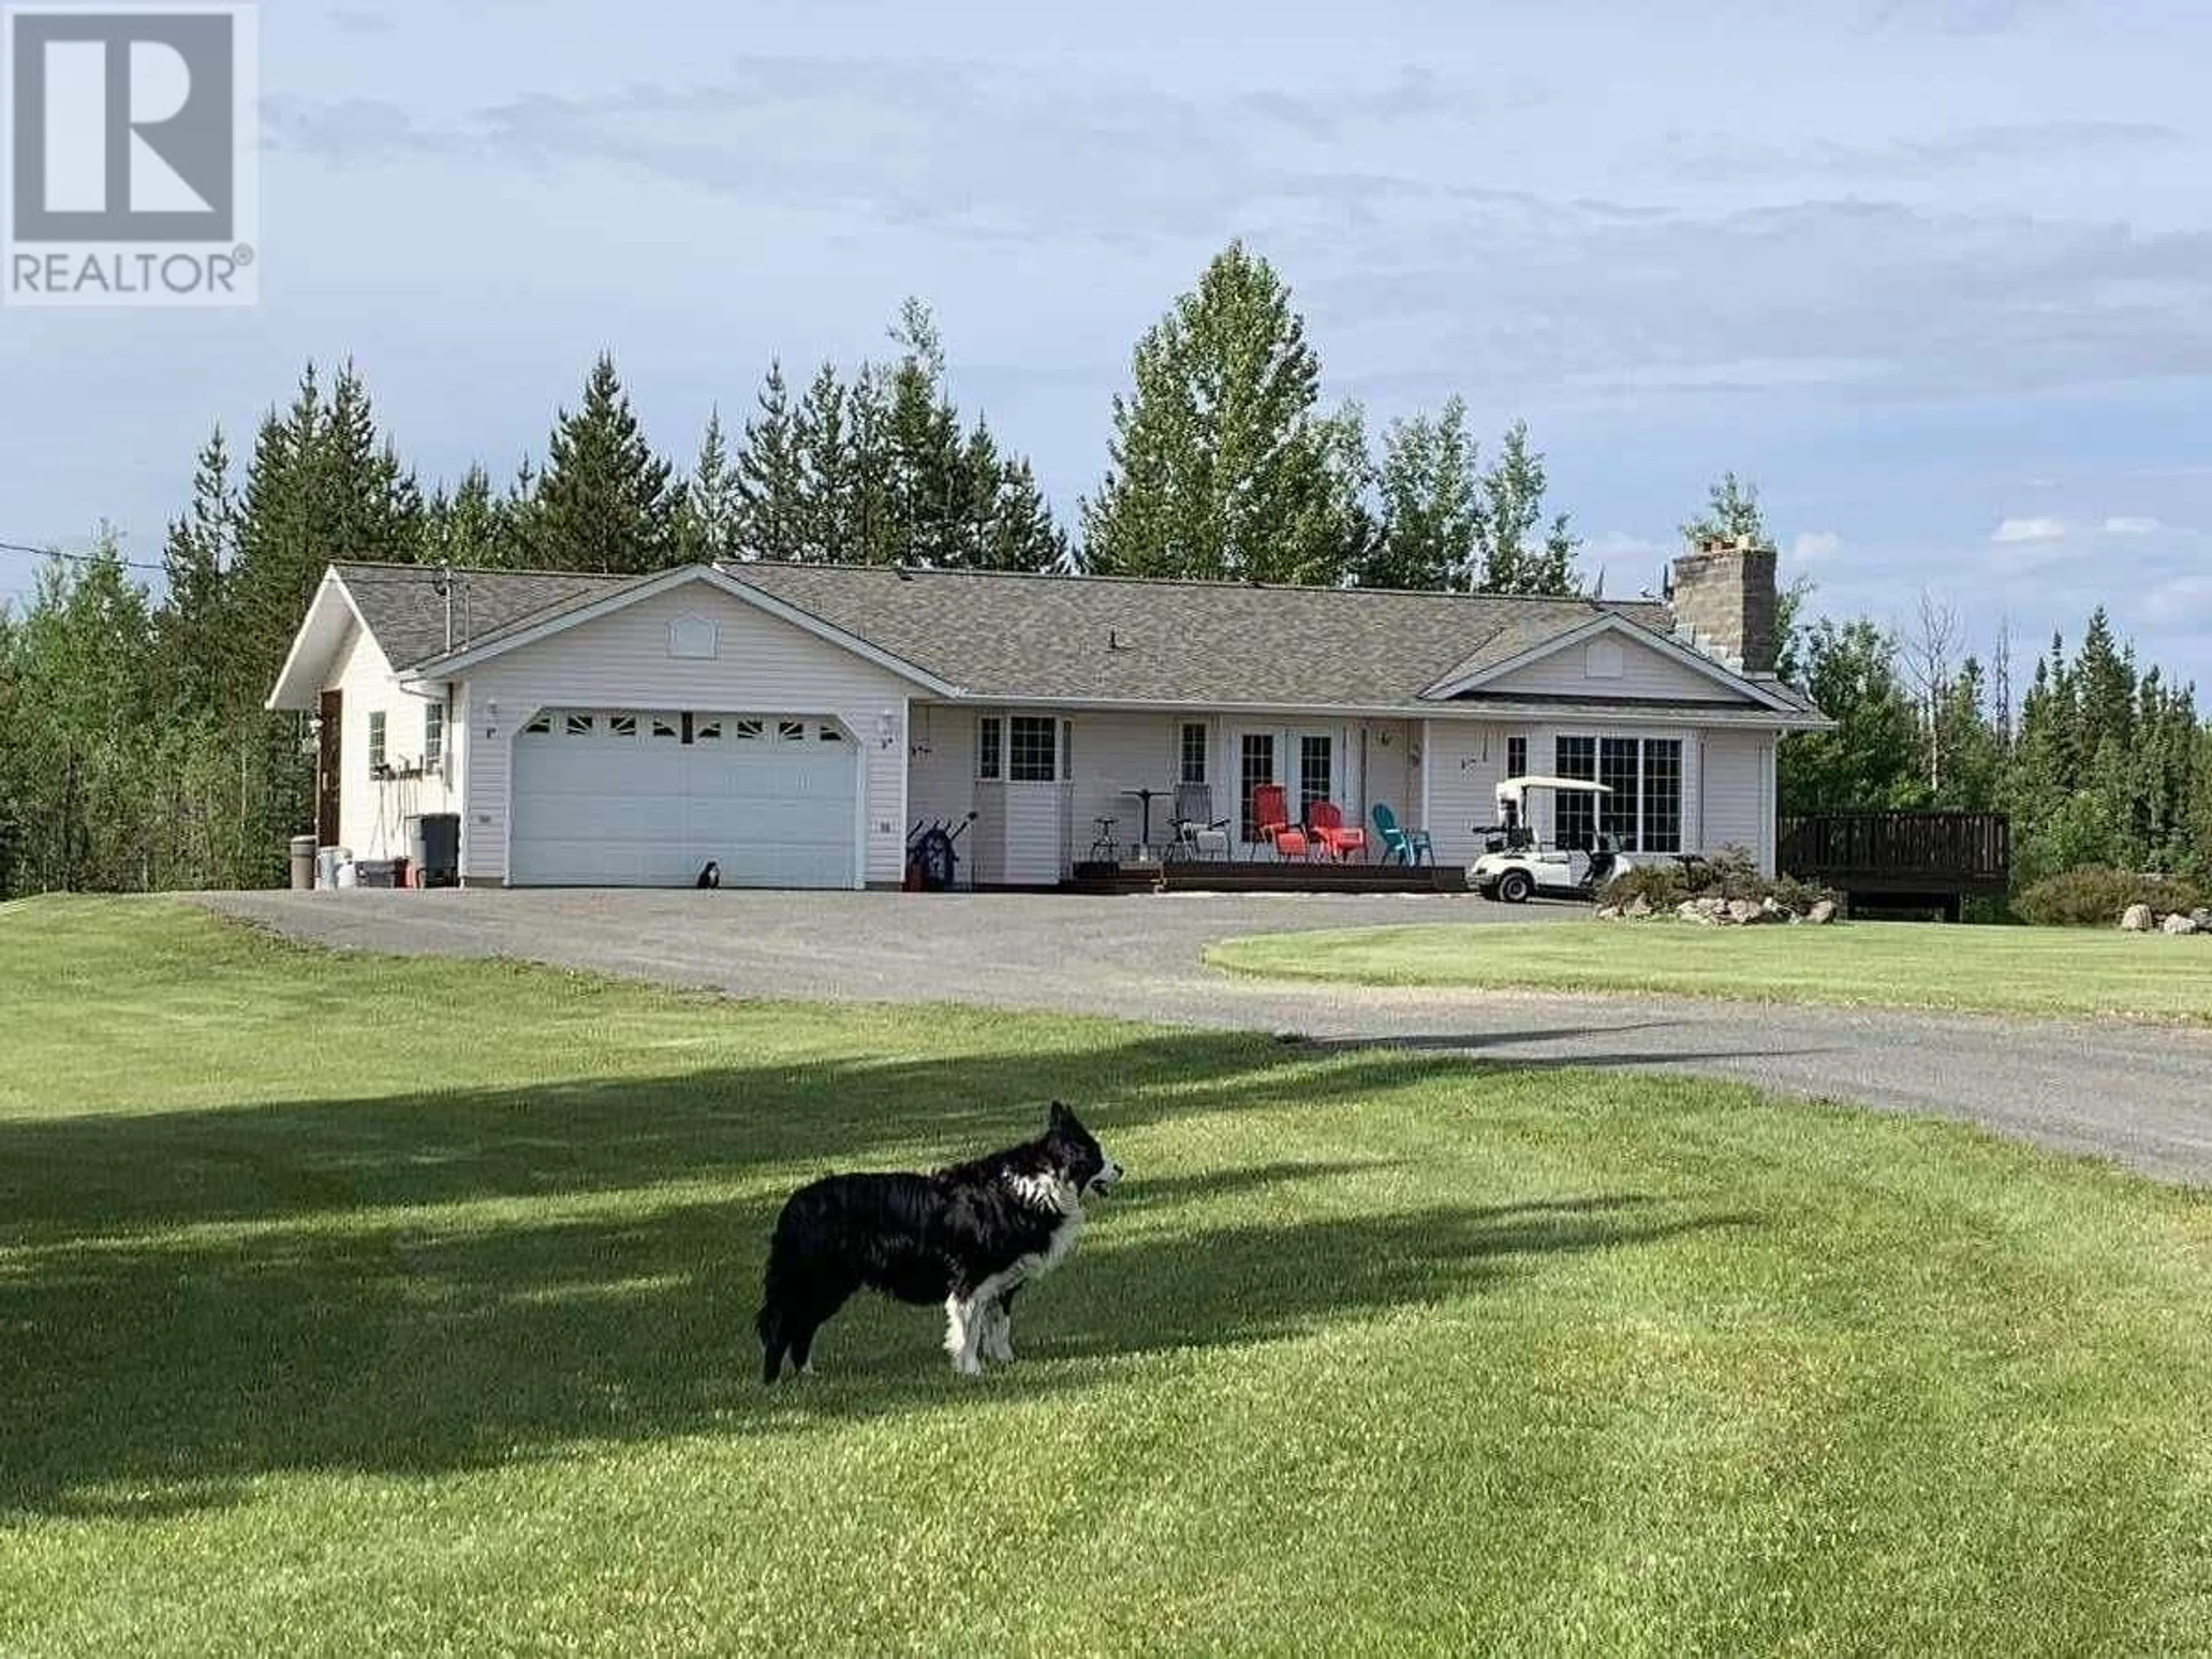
{"x": 2142, "y": 1095}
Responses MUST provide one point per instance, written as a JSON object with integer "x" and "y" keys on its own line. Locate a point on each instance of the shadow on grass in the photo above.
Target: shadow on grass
{"x": 195, "y": 1299}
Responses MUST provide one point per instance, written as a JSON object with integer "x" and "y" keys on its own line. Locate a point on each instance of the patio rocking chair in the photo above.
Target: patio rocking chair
{"x": 1271, "y": 823}
{"x": 1197, "y": 833}
{"x": 1402, "y": 846}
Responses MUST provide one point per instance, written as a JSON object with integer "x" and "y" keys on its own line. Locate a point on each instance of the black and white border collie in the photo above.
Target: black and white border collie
{"x": 969, "y": 1237}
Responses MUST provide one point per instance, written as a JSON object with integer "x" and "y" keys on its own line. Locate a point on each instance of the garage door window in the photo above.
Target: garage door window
{"x": 791, "y": 731}
{"x": 580, "y": 726}
{"x": 622, "y": 726}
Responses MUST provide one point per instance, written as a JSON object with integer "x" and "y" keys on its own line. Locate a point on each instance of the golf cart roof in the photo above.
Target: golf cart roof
{"x": 1517, "y": 788}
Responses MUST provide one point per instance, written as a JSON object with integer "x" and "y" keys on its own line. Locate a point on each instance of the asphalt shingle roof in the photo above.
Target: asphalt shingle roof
{"x": 1074, "y": 638}
{"x": 1092, "y": 638}
{"x": 403, "y": 608}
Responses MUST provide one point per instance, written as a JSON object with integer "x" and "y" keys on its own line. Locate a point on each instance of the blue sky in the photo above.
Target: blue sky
{"x": 1937, "y": 273}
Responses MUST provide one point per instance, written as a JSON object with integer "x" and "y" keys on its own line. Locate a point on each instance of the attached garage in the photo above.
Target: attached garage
{"x": 610, "y": 797}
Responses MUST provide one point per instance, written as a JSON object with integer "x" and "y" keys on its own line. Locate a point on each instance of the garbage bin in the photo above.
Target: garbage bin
{"x": 433, "y": 848}
{"x": 329, "y": 861}
{"x": 303, "y": 864}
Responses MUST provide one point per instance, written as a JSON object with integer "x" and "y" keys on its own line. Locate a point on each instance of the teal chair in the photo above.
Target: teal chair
{"x": 1404, "y": 846}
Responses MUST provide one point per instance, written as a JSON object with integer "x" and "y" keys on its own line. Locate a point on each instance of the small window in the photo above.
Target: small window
{"x": 693, "y": 637}
{"x": 832, "y": 734}
{"x": 1032, "y": 749}
{"x": 540, "y": 727}
{"x": 1516, "y": 757}
{"x": 434, "y": 737}
{"x": 376, "y": 743}
{"x": 707, "y": 732}
{"x": 990, "y": 737}
{"x": 622, "y": 726}
{"x": 1194, "y": 752}
{"x": 664, "y": 726}
{"x": 580, "y": 726}
{"x": 751, "y": 731}
{"x": 791, "y": 731}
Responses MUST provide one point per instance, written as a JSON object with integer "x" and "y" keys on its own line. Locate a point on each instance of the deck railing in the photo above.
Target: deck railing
{"x": 1931, "y": 852}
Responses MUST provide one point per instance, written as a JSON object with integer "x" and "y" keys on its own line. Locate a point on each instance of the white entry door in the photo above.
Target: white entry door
{"x": 614, "y": 797}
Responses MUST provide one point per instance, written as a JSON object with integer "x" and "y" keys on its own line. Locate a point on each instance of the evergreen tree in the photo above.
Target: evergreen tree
{"x": 1518, "y": 553}
{"x": 714, "y": 505}
{"x": 1222, "y": 467}
{"x": 818, "y": 430}
{"x": 472, "y": 527}
{"x": 1020, "y": 534}
{"x": 871, "y": 531}
{"x": 1732, "y": 513}
{"x": 604, "y": 501}
{"x": 1432, "y": 516}
{"x": 189, "y": 641}
{"x": 931, "y": 493}
{"x": 771, "y": 478}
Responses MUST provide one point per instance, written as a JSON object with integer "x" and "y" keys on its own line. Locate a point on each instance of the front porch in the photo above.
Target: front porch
{"x": 1264, "y": 876}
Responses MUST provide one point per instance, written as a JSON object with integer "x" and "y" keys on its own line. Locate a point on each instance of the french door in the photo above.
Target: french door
{"x": 1307, "y": 763}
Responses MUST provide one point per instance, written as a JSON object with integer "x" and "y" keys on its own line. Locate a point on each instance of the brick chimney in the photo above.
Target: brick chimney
{"x": 1723, "y": 599}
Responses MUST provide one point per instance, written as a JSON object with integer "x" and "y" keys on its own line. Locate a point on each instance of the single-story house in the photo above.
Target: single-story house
{"x": 790, "y": 722}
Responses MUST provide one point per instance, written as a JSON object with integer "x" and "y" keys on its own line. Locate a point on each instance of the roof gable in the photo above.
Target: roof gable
{"x": 1647, "y": 666}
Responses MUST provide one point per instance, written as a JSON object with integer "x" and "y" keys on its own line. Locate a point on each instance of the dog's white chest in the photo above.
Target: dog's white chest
{"x": 1054, "y": 1252}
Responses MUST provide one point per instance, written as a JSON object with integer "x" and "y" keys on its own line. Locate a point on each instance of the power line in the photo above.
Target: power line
{"x": 78, "y": 558}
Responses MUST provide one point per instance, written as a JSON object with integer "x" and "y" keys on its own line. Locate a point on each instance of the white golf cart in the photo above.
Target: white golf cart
{"x": 1515, "y": 867}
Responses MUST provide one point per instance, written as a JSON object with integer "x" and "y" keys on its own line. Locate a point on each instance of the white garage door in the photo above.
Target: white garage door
{"x": 612, "y": 798}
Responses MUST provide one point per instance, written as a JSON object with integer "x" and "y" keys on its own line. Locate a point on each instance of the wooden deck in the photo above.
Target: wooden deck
{"x": 1901, "y": 860}
{"x": 1266, "y": 875}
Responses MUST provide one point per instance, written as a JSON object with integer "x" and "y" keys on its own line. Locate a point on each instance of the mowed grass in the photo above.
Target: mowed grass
{"x": 2015, "y": 970}
{"x": 350, "y": 1306}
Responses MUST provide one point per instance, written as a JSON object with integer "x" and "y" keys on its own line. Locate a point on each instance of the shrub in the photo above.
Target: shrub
{"x": 2095, "y": 897}
{"x": 1730, "y": 873}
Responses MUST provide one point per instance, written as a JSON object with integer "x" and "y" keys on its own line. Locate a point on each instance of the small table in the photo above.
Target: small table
{"x": 1145, "y": 797}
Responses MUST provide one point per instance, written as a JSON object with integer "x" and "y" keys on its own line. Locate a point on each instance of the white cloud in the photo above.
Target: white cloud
{"x": 1814, "y": 545}
{"x": 2131, "y": 527}
{"x": 2030, "y": 530}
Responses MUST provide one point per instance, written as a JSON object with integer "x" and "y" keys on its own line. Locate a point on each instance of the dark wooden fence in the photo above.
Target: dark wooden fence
{"x": 1919, "y": 856}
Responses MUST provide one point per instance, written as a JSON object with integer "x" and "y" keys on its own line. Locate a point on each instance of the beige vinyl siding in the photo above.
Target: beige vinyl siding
{"x": 373, "y": 814}
{"x": 941, "y": 764}
{"x": 1390, "y": 777}
{"x": 1738, "y": 794}
{"x": 1464, "y": 761}
{"x": 763, "y": 665}
{"x": 1645, "y": 674}
{"x": 1113, "y": 752}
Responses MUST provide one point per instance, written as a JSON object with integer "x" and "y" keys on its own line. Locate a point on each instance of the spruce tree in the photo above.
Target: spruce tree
{"x": 469, "y": 527}
{"x": 604, "y": 501}
{"x": 931, "y": 490}
{"x": 1023, "y": 535}
{"x": 1732, "y": 513}
{"x": 819, "y": 443}
{"x": 872, "y": 533}
{"x": 771, "y": 479}
{"x": 196, "y": 559}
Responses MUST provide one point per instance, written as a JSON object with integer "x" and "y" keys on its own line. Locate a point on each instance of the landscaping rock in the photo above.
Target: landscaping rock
{"x": 1639, "y": 907}
{"x": 1743, "y": 912}
{"x": 1609, "y": 913}
{"x": 1771, "y": 908}
{"x": 1822, "y": 914}
{"x": 2137, "y": 920}
{"x": 2203, "y": 920}
{"x": 2179, "y": 926}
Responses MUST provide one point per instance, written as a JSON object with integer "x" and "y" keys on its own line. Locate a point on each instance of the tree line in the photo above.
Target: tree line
{"x": 135, "y": 752}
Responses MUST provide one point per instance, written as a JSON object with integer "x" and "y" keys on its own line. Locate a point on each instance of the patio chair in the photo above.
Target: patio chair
{"x": 1197, "y": 833}
{"x": 1341, "y": 841}
{"x": 1271, "y": 823}
{"x": 1402, "y": 846}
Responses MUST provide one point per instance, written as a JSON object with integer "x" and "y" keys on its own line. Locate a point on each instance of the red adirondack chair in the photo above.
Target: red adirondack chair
{"x": 1325, "y": 819}
{"x": 1271, "y": 823}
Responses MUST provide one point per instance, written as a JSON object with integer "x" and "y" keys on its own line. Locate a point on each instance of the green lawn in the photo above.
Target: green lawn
{"x": 2015, "y": 970}
{"x": 351, "y": 1306}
